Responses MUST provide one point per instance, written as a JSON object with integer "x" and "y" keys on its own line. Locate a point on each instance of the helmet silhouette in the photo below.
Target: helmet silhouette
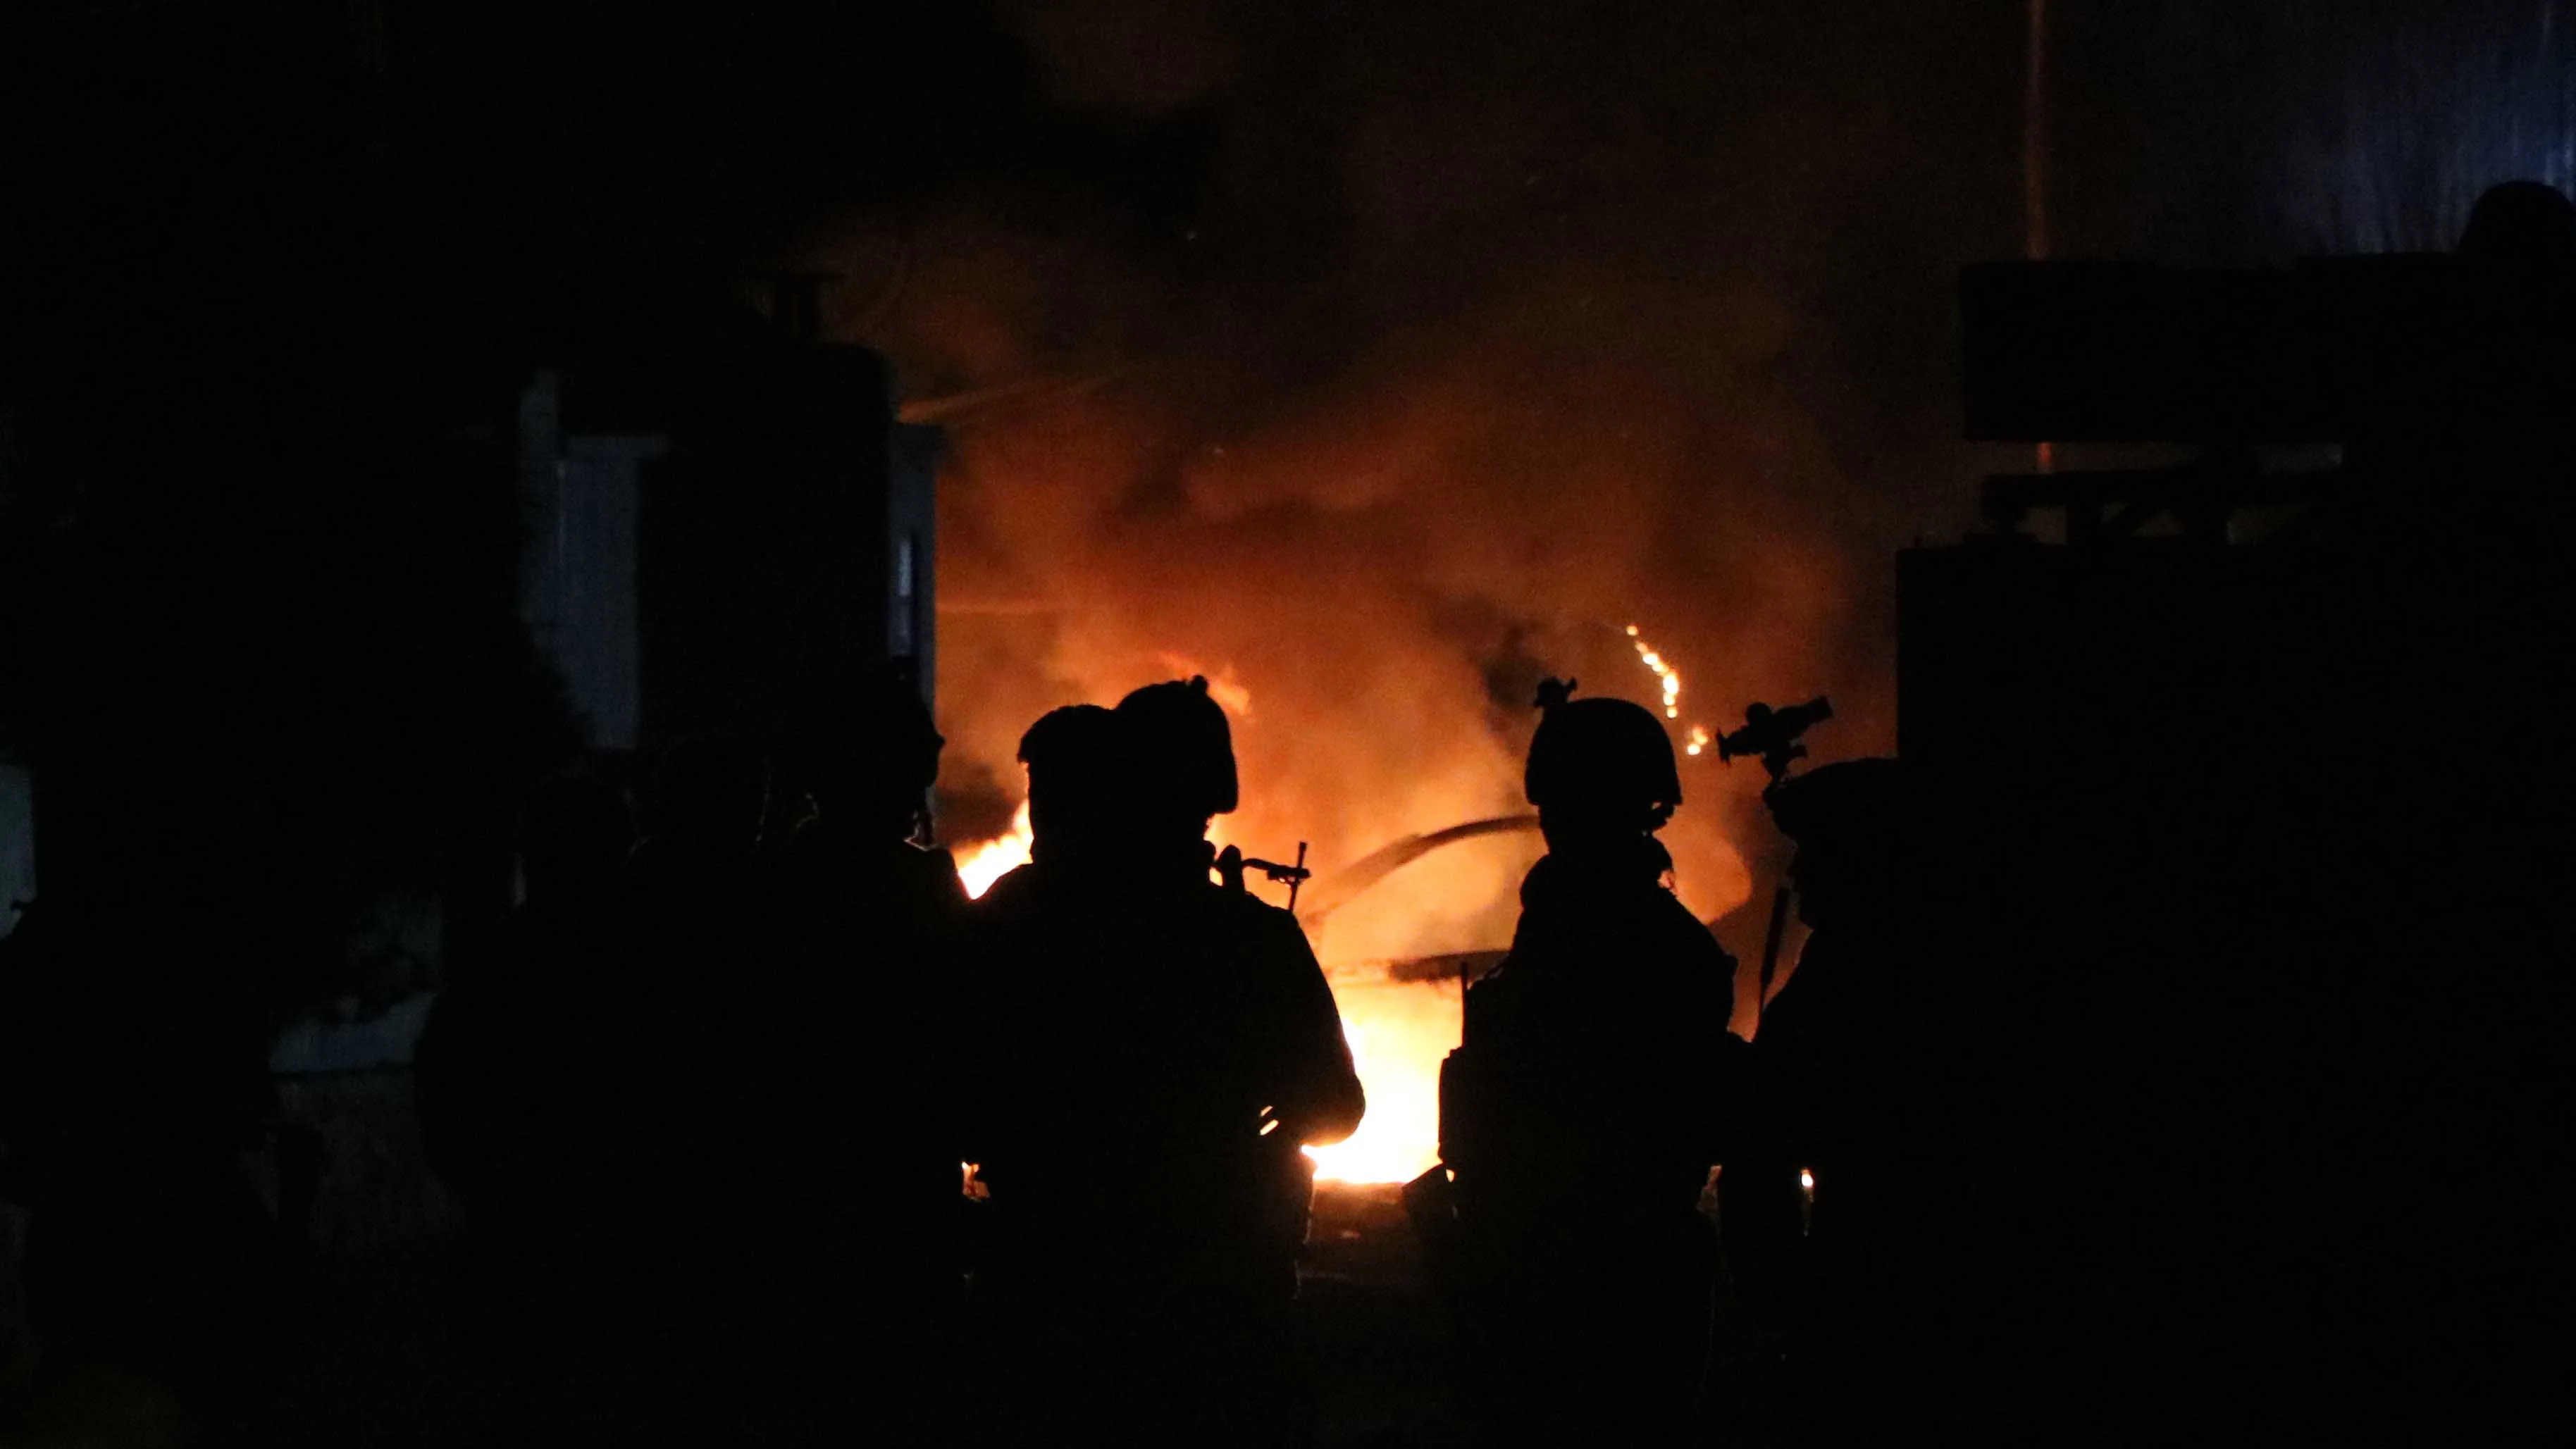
{"x": 1078, "y": 772}
{"x": 2526, "y": 227}
{"x": 1183, "y": 733}
{"x": 1599, "y": 752}
{"x": 866, "y": 722}
{"x": 1846, "y": 803}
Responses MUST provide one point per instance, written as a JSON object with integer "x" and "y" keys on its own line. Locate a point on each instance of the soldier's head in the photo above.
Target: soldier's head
{"x": 711, "y": 792}
{"x": 863, "y": 746}
{"x": 1079, "y": 770}
{"x": 1184, "y": 758}
{"x": 1600, "y": 770}
{"x": 1854, "y": 824}
{"x": 574, "y": 832}
{"x": 2524, "y": 231}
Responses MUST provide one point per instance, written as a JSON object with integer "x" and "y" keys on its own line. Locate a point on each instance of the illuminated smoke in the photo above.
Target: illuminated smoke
{"x": 1395, "y": 390}
{"x": 1360, "y": 356}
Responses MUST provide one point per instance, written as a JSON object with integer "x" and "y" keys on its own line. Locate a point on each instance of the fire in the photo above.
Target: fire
{"x": 1224, "y": 685}
{"x": 1399, "y": 1033}
{"x": 989, "y": 861}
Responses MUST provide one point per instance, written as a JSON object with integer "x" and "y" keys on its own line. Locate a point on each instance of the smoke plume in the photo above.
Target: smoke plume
{"x": 1376, "y": 361}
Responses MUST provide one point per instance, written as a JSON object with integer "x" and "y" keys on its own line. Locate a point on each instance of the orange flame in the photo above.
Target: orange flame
{"x": 1399, "y": 1033}
{"x": 984, "y": 863}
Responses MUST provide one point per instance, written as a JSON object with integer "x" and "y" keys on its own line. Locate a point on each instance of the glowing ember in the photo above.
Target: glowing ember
{"x": 982, "y": 864}
{"x": 1671, "y": 679}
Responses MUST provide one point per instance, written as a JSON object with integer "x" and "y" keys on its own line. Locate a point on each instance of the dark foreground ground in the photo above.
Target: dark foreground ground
{"x": 375, "y": 1367}
{"x": 1380, "y": 1347}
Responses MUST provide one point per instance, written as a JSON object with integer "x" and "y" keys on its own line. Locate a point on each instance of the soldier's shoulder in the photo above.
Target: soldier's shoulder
{"x": 1245, "y": 916}
{"x": 1251, "y": 909}
{"x": 1010, "y": 892}
{"x": 1690, "y": 934}
{"x": 925, "y": 862}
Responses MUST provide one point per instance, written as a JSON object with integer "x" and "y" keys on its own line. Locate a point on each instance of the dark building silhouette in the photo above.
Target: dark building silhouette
{"x": 382, "y": 426}
{"x": 2254, "y": 763}
{"x": 715, "y": 519}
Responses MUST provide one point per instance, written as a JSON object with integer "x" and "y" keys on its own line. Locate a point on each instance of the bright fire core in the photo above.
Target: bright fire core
{"x": 1399, "y": 1033}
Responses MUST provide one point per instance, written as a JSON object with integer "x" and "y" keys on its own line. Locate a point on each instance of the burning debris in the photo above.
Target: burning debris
{"x": 1671, "y": 680}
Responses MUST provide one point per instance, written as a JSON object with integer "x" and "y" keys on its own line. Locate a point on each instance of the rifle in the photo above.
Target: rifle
{"x": 1772, "y": 736}
{"x": 1231, "y": 863}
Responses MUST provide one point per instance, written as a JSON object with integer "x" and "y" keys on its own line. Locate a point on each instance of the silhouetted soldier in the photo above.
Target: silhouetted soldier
{"x": 694, "y": 1041}
{"x": 525, "y": 1079}
{"x": 492, "y": 1038}
{"x": 1585, "y": 1107}
{"x": 1081, "y": 773}
{"x": 132, "y": 1076}
{"x": 708, "y": 802}
{"x": 2443, "y": 903}
{"x": 1870, "y": 1078}
{"x": 1164, "y": 1045}
{"x": 1078, "y": 774}
{"x": 851, "y": 1216}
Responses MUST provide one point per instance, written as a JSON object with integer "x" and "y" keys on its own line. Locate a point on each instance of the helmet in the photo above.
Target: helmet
{"x": 1183, "y": 737}
{"x": 2527, "y": 228}
{"x": 1078, "y": 771}
{"x": 1600, "y": 752}
{"x": 574, "y": 828}
{"x": 867, "y": 723}
{"x": 1849, "y": 804}
{"x": 1856, "y": 827}
{"x": 712, "y": 788}
{"x": 1069, "y": 737}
